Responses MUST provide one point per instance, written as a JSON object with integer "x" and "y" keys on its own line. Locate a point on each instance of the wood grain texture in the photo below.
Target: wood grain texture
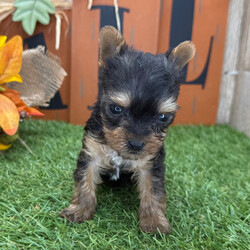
{"x": 240, "y": 113}
{"x": 232, "y": 48}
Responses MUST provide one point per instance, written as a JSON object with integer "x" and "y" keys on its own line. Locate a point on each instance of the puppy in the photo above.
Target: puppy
{"x": 136, "y": 103}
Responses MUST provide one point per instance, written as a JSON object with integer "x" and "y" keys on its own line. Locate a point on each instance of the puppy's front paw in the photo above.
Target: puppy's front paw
{"x": 76, "y": 213}
{"x": 151, "y": 224}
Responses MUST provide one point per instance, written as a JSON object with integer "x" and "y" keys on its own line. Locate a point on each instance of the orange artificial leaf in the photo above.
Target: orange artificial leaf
{"x": 2, "y": 41}
{"x": 11, "y": 59}
{"x": 9, "y": 116}
{"x": 33, "y": 112}
{"x": 13, "y": 95}
{"x": 4, "y": 147}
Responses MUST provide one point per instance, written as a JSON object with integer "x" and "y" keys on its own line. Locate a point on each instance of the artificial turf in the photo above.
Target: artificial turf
{"x": 207, "y": 182}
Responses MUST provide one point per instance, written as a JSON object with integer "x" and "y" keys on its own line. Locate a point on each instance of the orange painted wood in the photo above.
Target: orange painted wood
{"x": 147, "y": 27}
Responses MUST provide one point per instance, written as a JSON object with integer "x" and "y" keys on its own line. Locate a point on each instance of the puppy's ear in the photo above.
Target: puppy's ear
{"x": 111, "y": 43}
{"x": 182, "y": 54}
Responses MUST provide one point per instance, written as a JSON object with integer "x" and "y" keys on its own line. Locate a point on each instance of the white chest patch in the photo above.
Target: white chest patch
{"x": 116, "y": 174}
{"x": 116, "y": 161}
{"x": 114, "y": 157}
{"x": 108, "y": 159}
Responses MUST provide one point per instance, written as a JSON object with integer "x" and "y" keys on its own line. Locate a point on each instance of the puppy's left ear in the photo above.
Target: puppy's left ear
{"x": 182, "y": 54}
{"x": 111, "y": 43}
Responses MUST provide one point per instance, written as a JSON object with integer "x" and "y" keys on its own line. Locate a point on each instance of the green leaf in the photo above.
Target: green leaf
{"x": 8, "y": 139}
{"x": 31, "y": 11}
{"x": 2, "y": 88}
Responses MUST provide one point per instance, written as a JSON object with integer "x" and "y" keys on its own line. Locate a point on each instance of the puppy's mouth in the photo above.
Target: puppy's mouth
{"x": 131, "y": 155}
{"x": 133, "y": 150}
{"x": 134, "y": 154}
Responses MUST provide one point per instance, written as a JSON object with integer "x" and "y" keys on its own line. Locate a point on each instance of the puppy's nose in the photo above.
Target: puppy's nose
{"x": 136, "y": 145}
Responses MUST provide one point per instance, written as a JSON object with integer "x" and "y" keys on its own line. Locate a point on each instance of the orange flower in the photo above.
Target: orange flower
{"x": 10, "y": 59}
{"x": 13, "y": 95}
{"x": 10, "y": 66}
{"x": 10, "y": 102}
{"x": 9, "y": 115}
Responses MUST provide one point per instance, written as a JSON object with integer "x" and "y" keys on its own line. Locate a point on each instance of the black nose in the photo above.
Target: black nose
{"x": 136, "y": 145}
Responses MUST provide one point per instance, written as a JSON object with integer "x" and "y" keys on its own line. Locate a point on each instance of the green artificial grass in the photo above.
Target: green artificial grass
{"x": 207, "y": 183}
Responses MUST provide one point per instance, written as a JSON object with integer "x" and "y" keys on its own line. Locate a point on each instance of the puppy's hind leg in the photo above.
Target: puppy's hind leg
{"x": 83, "y": 203}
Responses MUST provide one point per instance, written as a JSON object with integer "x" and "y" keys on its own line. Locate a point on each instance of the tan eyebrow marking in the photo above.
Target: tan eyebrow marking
{"x": 168, "y": 105}
{"x": 121, "y": 98}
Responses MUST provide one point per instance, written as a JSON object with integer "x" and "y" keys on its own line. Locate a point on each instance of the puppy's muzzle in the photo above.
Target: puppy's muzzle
{"x": 135, "y": 146}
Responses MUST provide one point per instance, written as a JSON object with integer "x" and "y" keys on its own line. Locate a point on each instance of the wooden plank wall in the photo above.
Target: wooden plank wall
{"x": 234, "y": 106}
{"x": 154, "y": 26}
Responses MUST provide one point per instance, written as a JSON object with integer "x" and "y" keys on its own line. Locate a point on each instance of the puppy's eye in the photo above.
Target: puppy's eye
{"x": 163, "y": 117}
{"x": 115, "y": 109}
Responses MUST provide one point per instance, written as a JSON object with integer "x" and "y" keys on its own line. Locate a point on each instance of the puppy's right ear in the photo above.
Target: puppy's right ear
{"x": 111, "y": 43}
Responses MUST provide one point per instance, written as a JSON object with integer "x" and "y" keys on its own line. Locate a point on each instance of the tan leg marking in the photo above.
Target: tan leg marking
{"x": 152, "y": 208}
{"x": 83, "y": 202}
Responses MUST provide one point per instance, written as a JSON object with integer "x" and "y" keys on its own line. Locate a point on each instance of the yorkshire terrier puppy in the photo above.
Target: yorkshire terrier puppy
{"x": 136, "y": 103}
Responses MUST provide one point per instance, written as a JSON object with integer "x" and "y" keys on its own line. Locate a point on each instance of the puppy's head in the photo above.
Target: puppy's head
{"x": 138, "y": 93}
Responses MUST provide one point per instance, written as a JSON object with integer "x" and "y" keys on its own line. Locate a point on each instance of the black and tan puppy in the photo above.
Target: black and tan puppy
{"x": 136, "y": 104}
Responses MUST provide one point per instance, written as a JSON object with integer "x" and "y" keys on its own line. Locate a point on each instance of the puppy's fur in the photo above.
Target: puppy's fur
{"x": 136, "y": 104}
